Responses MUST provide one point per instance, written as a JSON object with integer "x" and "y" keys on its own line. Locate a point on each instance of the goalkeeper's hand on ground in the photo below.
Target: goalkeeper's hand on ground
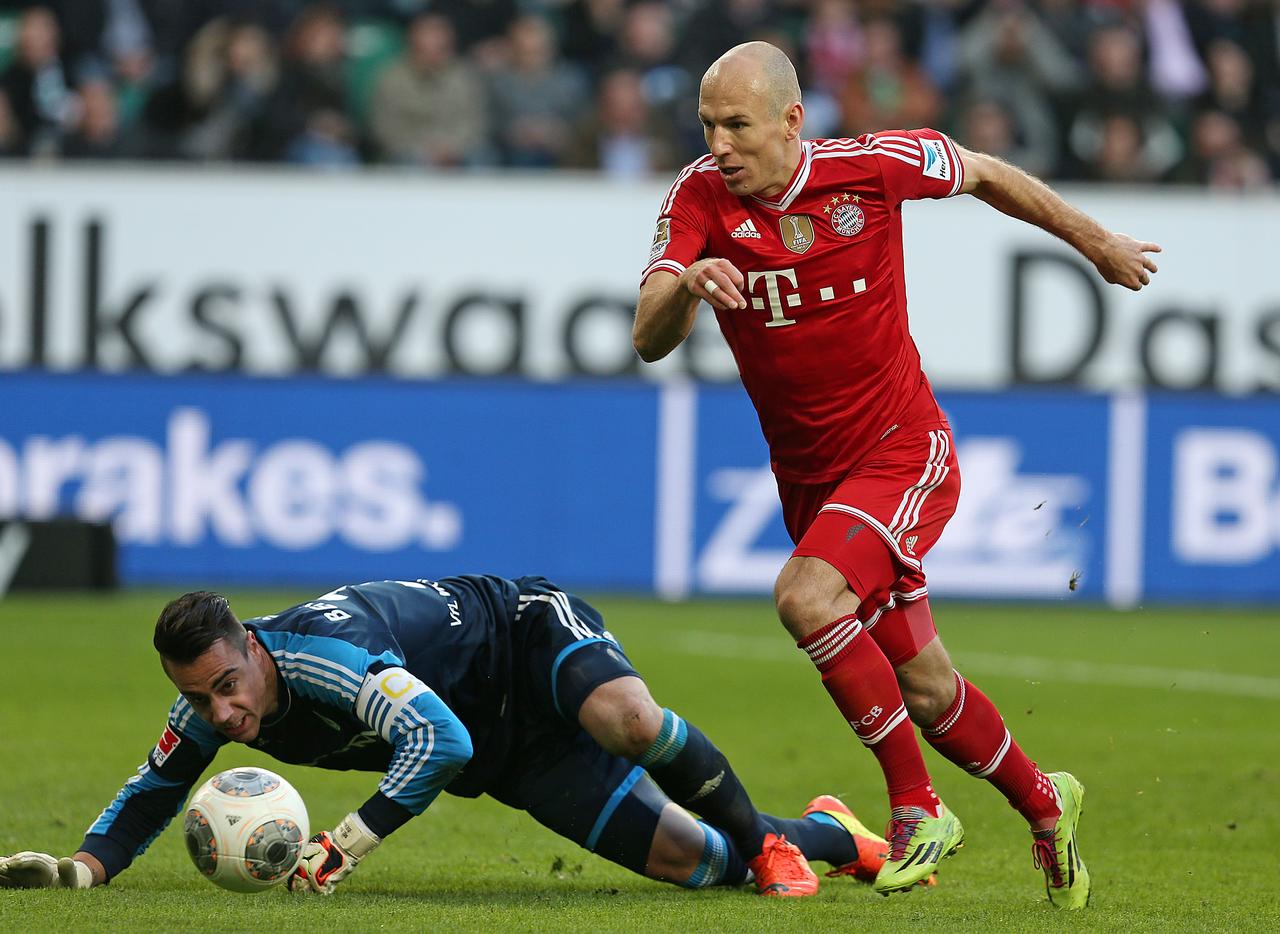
{"x": 31, "y": 870}
{"x": 328, "y": 858}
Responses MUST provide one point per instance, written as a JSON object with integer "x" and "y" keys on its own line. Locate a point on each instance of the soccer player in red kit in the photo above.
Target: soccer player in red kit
{"x": 797, "y": 246}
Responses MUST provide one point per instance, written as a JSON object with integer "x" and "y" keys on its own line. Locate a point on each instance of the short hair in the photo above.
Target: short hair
{"x": 189, "y": 625}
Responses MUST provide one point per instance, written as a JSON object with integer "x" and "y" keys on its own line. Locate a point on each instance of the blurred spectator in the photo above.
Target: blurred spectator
{"x": 1232, "y": 89}
{"x": 930, "y": 31}
{"x": 1008, "y": 57}
{"x": 648, "y": 46}
{"x": 622, "y": 136}
{"x": 1119, "y": 88}
{"x": 480, "y": 26}
{"x": 1071, "y": 22}
{"x": 306, "y": 119}
{"x": 210, "y": 113}
{"x": 1217, "y": 19}
{"x": 107, "y": 38}
{"x": 97, "y": 134}
{"x": 990, "y": 126}
{"x": 1117, "y": 155}
{"x": 591, "y": 30}
{"x": 37, "y": 85}
{"x": 10, "y": 132}
{"x": 833, "y": 45}
{"x": 888, "y": 91}
{"x": 832, "y": 49}
{"x": 717, "y": 25}
{"x": 1092, "y": 89}
{"x": 1008, "y": 45}
{"x": 429, "y": 107}
{"x": 536, "y": 98}
{"x": 1176, "y": 70}
{"x": 1218, "y": 156}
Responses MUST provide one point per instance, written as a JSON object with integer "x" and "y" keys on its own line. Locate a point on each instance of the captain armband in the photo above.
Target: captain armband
{"x": 384, "y": 695}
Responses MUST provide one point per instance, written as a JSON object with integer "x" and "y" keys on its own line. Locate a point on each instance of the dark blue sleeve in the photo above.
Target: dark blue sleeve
{"x": 151, "y": 798}
{"x": 431, "y": 746}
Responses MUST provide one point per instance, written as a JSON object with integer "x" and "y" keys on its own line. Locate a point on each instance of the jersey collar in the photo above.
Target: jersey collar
{"x": 797, "y": 180}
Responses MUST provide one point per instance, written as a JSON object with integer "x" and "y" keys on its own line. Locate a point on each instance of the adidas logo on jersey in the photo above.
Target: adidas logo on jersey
{"x": 746, "y": 231}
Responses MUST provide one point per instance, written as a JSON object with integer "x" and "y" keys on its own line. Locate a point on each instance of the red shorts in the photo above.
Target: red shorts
{"x": 876, "y": 525}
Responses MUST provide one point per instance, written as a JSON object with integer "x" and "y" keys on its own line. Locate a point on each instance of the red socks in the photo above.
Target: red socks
{"x": 861, "y": 681}
{"x": 972, "y": 734}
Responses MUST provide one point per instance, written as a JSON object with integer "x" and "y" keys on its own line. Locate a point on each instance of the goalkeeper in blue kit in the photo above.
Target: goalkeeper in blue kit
{"x": 472, "y": 685}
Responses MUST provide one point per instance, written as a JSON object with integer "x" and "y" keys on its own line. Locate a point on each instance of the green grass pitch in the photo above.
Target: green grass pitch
{"x": 1168, "y": 717}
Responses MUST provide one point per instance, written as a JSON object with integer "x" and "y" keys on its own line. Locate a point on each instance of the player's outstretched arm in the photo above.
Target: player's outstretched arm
{"x": 430, "y": 746}
{"x": 32, "y": 870}
{"x": 1119, "y": 258}
{"x": 668, "y": 304}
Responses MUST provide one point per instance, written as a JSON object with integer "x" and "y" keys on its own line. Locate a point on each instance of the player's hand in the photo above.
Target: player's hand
{"x": 716, "y": 281}
{"x": 31, "y": 870}
{"x": 328, "y": 858}
{"x": 1124, "y": 261}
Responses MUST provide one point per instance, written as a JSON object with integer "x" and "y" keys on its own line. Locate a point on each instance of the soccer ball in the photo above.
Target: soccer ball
{"x": 245, "y": 829}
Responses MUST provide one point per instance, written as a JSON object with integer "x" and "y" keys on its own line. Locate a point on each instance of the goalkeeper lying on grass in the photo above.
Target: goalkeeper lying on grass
{"x": 474, "y": 685}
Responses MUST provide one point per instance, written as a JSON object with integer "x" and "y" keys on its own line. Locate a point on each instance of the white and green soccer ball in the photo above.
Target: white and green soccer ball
{"x": 245, "y": 829}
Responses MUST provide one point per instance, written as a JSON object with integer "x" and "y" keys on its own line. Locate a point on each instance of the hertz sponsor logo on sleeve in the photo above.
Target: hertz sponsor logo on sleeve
{"x": 937, "y": 164}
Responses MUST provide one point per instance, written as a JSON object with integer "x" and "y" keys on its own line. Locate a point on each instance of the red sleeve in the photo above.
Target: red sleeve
{"x": 916, "y": 163}
{"x": 681, "y": 234}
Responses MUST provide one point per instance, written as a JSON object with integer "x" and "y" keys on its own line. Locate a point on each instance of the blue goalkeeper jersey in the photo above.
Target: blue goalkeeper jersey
{"x": 408, "y": 678}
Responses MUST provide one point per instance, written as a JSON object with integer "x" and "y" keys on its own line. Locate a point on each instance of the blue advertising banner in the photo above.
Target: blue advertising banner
{"x": 1031, "y": 521}
{"x": 1213, "y": 499}
{"x": 315, "y": 481}
{"x": 624, "y": 486}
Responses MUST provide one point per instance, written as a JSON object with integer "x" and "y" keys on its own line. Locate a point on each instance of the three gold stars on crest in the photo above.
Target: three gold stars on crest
{"x": 836, "y": 199}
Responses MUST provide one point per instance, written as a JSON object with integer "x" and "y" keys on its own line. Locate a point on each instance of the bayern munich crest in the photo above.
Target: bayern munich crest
{"x": 846, "y": 216}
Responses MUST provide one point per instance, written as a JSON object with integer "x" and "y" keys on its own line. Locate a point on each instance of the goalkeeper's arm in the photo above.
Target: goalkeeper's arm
{"x": 126, "y": 827}
{"x": 431, "y": 747}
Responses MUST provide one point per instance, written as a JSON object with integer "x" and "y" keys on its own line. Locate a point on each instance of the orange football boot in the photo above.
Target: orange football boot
{"x": 781, "y": 870}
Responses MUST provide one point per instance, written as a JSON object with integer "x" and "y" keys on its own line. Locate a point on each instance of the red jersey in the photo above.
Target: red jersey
{"x": 823, "y": 346}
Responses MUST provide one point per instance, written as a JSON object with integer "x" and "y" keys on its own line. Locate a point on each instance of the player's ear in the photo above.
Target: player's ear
{"x": 794, "y": 120}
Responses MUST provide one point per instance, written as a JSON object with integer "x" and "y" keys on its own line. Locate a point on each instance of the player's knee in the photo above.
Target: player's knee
{"x": 800, "y": 608}
{"x": 638, "y": 726}
{"x": 622, "y": 717}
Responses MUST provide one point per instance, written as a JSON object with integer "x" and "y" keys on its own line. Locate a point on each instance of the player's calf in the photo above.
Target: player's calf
{"x": 692, "y": 854}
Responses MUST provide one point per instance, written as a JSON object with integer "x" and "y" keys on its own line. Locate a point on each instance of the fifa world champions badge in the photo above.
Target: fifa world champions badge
{"x": 845, "y": 214}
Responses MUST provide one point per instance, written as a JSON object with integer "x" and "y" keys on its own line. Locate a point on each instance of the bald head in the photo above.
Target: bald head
{"x": 762, "y": 69}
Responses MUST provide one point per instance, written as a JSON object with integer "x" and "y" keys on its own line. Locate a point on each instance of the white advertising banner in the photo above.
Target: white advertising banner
{"x": 275, "y": 272}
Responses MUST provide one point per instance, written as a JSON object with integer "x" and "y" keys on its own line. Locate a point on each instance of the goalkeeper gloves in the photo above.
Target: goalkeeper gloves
{"x": 31, "y": 870}
{"x": 328, "y": 858}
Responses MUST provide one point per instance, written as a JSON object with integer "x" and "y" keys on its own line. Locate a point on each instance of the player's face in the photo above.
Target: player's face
{"x": 754, "y": 147}
{"x": 230, "y": 691}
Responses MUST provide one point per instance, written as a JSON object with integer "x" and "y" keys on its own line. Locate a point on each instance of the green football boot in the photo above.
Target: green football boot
{"x": 1057, "y": 851}
{"x": 917, "y": 841}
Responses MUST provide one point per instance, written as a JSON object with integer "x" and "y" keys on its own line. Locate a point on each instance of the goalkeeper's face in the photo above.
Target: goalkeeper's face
{"x": 232, "y": 691}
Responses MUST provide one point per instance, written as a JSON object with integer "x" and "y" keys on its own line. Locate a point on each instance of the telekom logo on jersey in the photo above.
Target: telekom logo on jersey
{"x": 778, "y": 303}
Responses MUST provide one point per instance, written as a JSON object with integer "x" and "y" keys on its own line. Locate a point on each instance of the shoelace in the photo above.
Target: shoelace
{"x": 901, "y": 832}
{"x": 1045, "y": 855}
{"x": 781, "y": 852}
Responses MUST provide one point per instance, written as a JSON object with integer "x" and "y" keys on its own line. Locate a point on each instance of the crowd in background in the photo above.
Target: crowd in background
{"x": 1133, "y": 91}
